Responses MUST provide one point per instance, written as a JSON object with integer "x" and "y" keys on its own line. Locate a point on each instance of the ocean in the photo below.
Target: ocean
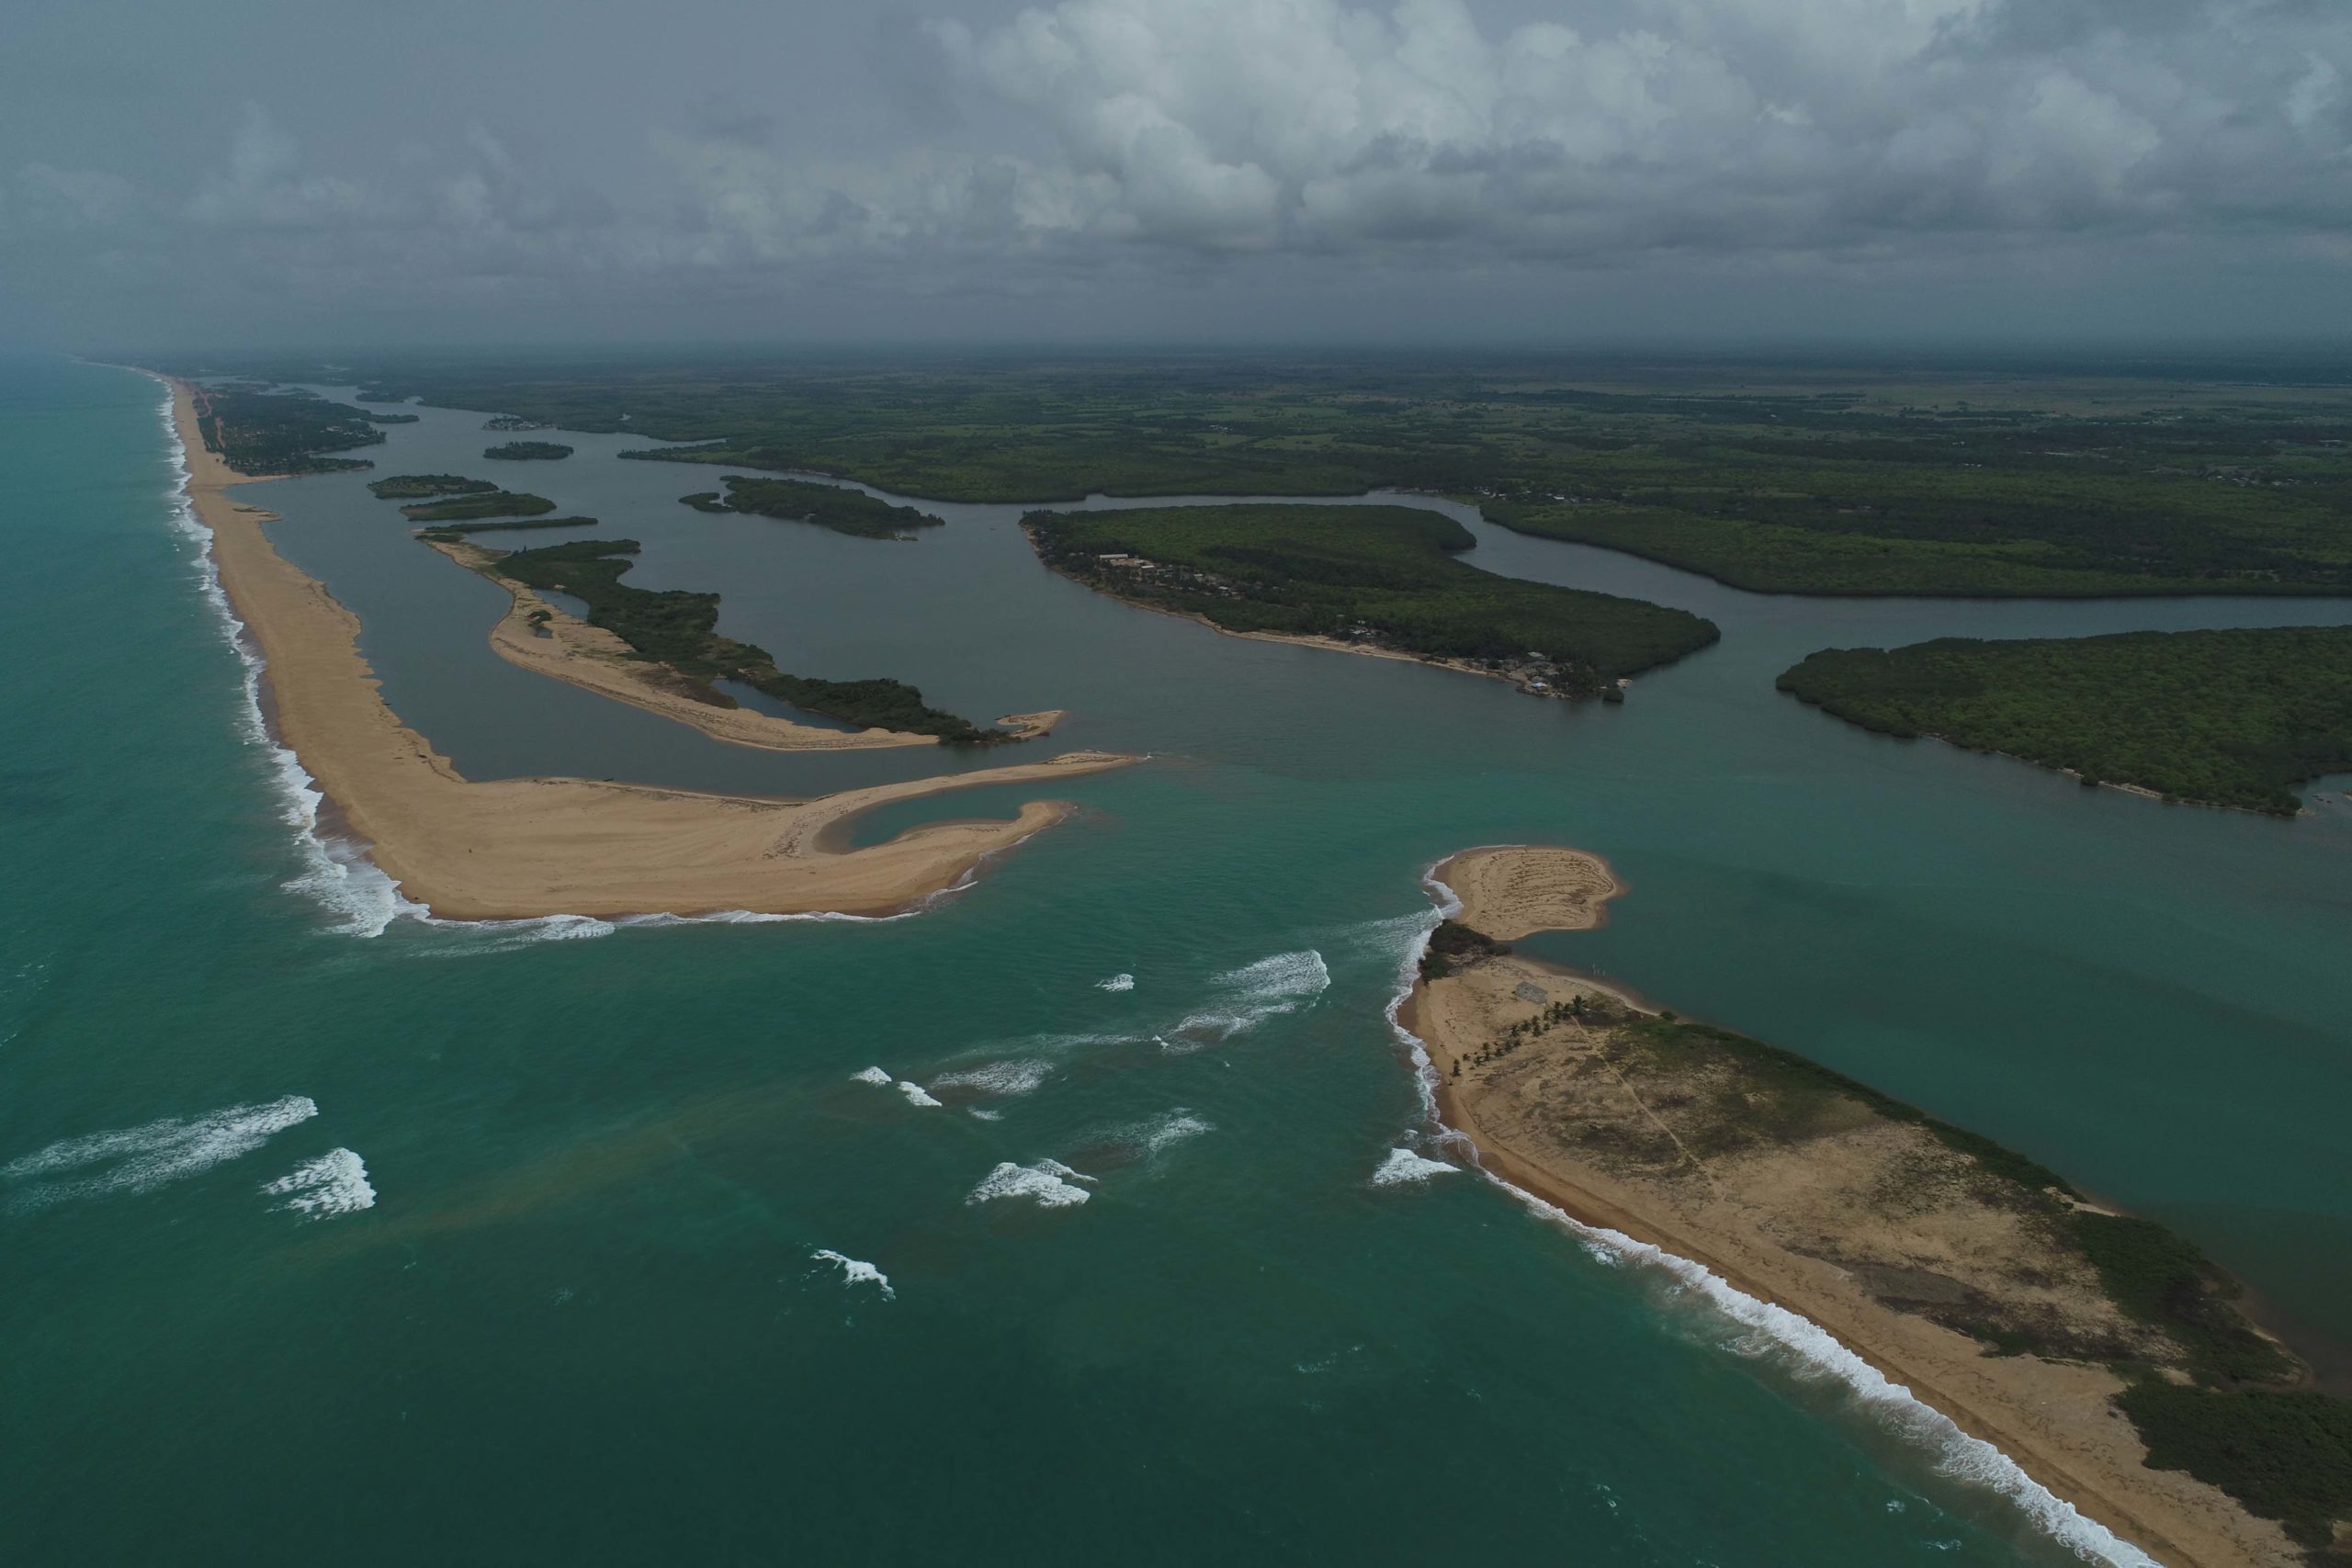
{"x": 1093, "y": 1213}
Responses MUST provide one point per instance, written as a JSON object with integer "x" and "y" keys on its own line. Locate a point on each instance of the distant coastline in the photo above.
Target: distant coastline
{"x": 1531, "y": 1087}
{"x": 528, "y": 848}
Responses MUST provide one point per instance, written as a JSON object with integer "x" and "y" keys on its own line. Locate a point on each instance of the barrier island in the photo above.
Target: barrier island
{"x": 675, "y": 633}
{"x": 511, "y": 849}
{"x": 2234, "y": 717}
{"x": 1377, "y": 580}
{"x": 258, "y": 431}
{"x": 843, "y": 510}
{"x": 1985, "y": 1282}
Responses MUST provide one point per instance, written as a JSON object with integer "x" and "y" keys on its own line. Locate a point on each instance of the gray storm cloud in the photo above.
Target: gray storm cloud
{"x": 1121, "y": 144}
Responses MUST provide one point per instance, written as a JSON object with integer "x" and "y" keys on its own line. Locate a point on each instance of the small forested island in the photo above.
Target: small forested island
{"x": 2232, "y": 718}
{"x": 1372, "y": 578}
{"x": 679, "y": 630}
{"x": 529, "y": 451}
{"x": 503, "y": 525}
{"x": 1867, "y": 1215}
{"x": 491, "y": 503}
{"x": 509, "y": 422}
{"x": 379, "y": 395}
{"x": 843, "y": 510}
{"x": 412, "y": 487}
{"x": 282, "y": 433}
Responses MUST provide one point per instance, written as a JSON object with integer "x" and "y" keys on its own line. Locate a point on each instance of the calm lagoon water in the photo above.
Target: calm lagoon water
{"x": 586, "y": 1315}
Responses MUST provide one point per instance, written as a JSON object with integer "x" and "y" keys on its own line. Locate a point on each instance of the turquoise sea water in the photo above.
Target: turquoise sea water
{"x": 587, "y": 1316}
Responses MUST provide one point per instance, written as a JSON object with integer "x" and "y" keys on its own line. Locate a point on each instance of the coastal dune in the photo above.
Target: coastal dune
{"x": 1805, "y": 1191}
{"x": 524, "y": 847}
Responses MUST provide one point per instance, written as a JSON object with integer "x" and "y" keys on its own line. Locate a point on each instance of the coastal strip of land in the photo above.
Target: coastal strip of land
{"x": 523, "y": 848}
{"x": 2090, "y": 1346}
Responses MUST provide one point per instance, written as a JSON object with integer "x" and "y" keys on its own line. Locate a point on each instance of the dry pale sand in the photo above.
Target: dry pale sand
{"x": 594, "y": 659}
{"x": 1859, "y": 1213}
{"x": 1515, "y": 890}
{"x": 519, "y": 848}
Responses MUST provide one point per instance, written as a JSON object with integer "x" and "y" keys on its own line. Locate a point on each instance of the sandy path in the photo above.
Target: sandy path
{"x": 1738, "y": 1218}
{"x": 518, "y": 848}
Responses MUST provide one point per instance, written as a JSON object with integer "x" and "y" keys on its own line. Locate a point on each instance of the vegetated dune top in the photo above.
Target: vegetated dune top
{"x": 523, "y": 848}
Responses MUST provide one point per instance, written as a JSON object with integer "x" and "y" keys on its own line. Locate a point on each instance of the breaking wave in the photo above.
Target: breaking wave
{"x": 1403, "y": 1166}
{"x": 1249, "y": 996}
{"x": 1005, "y": 1078}
{"x": 142, "y": 1159}
{"x": 874, "y": 1076}
{"x": 855, "y": 1271}
{"x": 1116, "y": 983}
{"x": 335, "y": 1183}
{"x": 1049, "y": 1184}
{"x": 916, "y": 1094}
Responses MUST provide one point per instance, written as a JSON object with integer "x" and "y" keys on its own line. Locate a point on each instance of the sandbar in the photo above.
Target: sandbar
{"x": 1865, "y": 1224}
{"x": 522, "y": 848}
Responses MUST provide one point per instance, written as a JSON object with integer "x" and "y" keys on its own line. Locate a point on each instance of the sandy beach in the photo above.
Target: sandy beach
{"x": 521, "y": 847}
{"x": 1804, "y": 1222}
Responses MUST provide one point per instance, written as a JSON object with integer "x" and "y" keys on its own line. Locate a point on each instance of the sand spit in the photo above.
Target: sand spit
{"x": 514, "y": 848}
{"x": 1866, "y": 1226}
{"x": 551, "y": 641}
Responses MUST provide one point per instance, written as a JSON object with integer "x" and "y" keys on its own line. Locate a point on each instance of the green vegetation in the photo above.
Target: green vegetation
{"x": 445, "y": 531}
{"x": 281, "y": 432}
{"x": 496, "y": 503}
{"x": 1453, "y": 945}
{"x": 2287, "y": 1455}
{"x": 2217, "y": 717}
{"x": 509, "y": 422}
{"x": 828, "y": 506}
{"x": 529, "y": 451}
{"x": 679, "y": 630}
{"x": 2093, "y": 478}
{"x": 1382, "y": 576}
{"x": 410, "y": 487}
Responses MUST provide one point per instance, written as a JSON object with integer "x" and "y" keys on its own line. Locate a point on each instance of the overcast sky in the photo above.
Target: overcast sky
{"x": 353, "y": 172}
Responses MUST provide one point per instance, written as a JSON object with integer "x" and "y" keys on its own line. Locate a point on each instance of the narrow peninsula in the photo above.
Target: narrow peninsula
{"x": 2101, "y": 1351}
{"x": 2234, "y": 717}
{"x": 1371, "y": 580}
{"x": 522, "y": 848}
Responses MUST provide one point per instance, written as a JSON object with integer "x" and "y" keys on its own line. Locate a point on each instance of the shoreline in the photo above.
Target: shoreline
{"x": 532, "y": 848}
{"x": 2050, "y": 1418}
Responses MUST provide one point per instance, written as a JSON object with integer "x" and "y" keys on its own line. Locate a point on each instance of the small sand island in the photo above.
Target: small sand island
{"x": 2101, "y": 1351}
{"x": 520, "y": 847}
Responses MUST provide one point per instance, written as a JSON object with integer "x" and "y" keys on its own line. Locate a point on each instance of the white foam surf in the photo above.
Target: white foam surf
{"x": 1116, "y": 983}
{"x": 855, "y": 1272}
{"x": 1049, "y": 1184}
{"x": 335, "y": 1183}
{"x": 874, "y": 1076}
{"x": 142, "y": 1159}
{"x": 1403, "y": 1166}
{"x": 1280, "y": 983}
{"x": 1795, "y": 1341}
{"x": 1002, "y": 1078}
{"x": 916, "y": 1094}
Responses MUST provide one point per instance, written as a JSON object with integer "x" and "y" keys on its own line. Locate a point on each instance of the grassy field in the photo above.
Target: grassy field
{"x": 849, "y": 511}
{"x": 2125, "y": 478}
{"x": 679, "y": 629}
{"x": 1384, "y": 576}
{"x": 2217, "y": 717}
